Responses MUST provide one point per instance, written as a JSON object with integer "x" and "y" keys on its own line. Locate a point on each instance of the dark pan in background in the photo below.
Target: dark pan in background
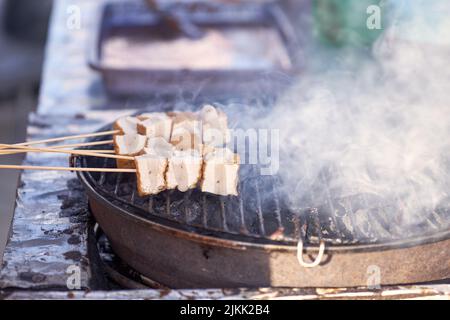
{"x": 129, "y": 18}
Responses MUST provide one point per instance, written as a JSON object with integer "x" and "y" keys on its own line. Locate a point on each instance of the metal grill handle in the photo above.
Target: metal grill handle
{"x": 318, "y": 259}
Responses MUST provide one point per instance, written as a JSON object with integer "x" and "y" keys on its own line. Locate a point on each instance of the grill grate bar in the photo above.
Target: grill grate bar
{"x": 102, "y": 179}
{"x": 243, "y": 228}
{"x": 150, "y": 205}
{"x": 313, "y": 225}
{"x": 383, "y": 225}
{"x": 259, "y": 209}
{"x": 187, "y": 213}
{"x": 436, "y": 217}
{"x": 117, "y": 185}
{"x": 300, "y": 232}
{"x": 223, "y": 214}
{"x": 133, "y": 197}
{"x": 167, "y": 202}
{"x": 204, "y": 211}
{"x": 276, "y": 192}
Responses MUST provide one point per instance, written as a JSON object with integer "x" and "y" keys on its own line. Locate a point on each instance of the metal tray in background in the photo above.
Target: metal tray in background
{"x": 128, "y": 18}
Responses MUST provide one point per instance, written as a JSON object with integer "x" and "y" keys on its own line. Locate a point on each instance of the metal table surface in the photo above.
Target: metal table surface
{"x": 49, "y": 232}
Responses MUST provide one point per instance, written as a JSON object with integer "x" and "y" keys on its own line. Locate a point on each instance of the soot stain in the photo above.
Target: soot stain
{"x": 73, "y": 255}
{"x": 74, "y": 239}
{"x": 33, "y": 277}
{"x": 74, "y": 202}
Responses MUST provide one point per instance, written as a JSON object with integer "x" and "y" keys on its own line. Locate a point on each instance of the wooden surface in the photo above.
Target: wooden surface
{"x": 49, "y": 232}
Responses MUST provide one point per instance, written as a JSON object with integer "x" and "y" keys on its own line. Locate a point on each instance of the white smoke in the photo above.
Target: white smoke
{"x": 378, "y": 126}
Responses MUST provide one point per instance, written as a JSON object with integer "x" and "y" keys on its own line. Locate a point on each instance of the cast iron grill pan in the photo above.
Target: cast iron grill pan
{"x": 261, "y": 212}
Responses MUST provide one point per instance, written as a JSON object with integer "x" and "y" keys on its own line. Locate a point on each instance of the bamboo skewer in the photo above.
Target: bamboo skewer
{"x": 24, "y": 147}
{"x": 73, "y": 152}
{"x": 15, "y": 151}
{"x": 80, "y": 136}
{"x": 74, "y": 145}
{"x": 24, "y": 167}
{"x": 85, "y": 144}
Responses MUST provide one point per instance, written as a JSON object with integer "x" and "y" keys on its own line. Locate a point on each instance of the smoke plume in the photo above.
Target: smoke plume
{"x": 377, "y": 126}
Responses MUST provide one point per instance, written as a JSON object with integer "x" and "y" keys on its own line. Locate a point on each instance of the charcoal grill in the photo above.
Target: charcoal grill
{"x": 198, "y": 240}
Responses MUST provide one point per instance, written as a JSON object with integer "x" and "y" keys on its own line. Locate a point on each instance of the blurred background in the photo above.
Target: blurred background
{"x": 23, "y": 29}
